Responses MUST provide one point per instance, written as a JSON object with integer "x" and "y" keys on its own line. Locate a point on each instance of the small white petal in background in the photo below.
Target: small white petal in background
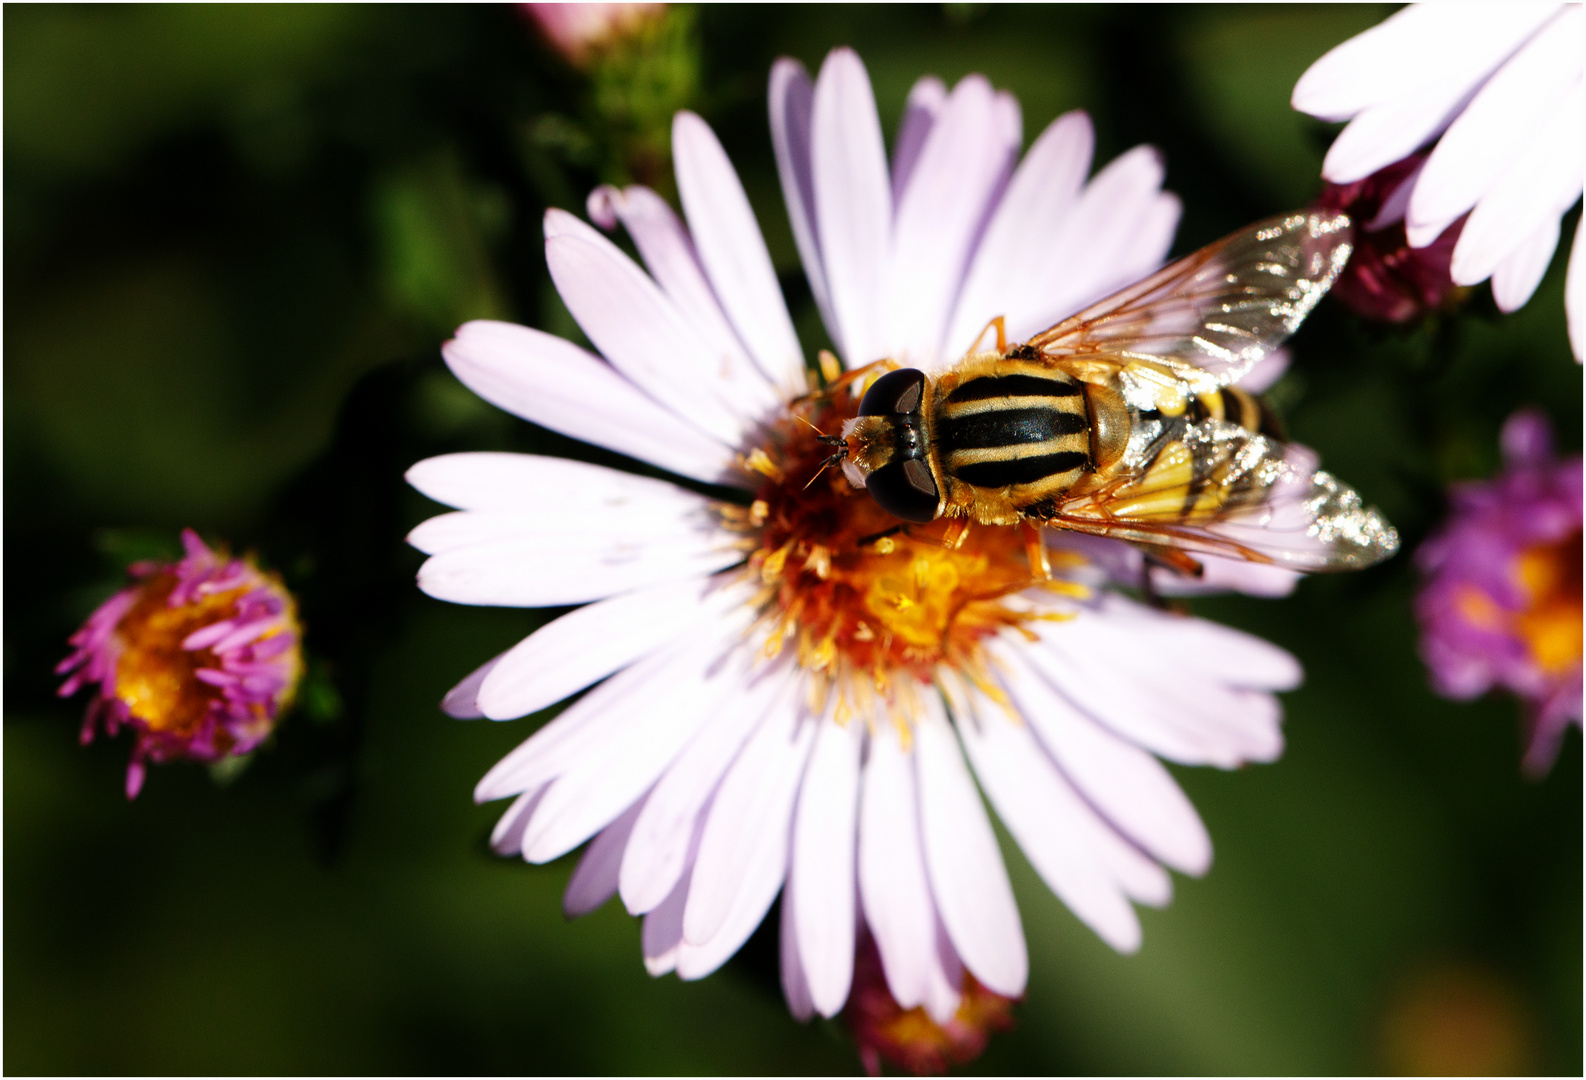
{"x": 1498, "y": 87}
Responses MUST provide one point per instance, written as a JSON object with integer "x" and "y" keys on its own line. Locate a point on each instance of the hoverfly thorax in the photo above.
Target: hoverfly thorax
{"x": 887, "y": 452}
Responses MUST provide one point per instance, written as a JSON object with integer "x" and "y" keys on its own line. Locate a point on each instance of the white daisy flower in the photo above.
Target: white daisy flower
{"x": 1499, "y": 87}
{"x": 786, "y": 699}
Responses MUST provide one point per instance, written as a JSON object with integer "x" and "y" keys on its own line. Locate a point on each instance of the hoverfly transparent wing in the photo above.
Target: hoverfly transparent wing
{"x": 1220, "y": 489}
{"x": 1213, "y": 315}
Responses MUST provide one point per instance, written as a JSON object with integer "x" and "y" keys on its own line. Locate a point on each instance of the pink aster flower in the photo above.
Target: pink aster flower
{"x": 1501, "y": 606}
{"x": 790, "y": 696}
{"x": 198, "y": 657}
{"x": 579, "y": 31}
{"x": 1497, "y": 87}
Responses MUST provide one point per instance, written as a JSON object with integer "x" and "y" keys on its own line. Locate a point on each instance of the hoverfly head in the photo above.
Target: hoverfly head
{"x": 886, "y": 447}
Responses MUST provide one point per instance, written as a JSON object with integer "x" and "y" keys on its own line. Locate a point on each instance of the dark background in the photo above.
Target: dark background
{"x": 235, "y": 238}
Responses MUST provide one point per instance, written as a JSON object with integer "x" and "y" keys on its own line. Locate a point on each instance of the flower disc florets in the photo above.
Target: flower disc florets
{"x": 868, "y": 601}
{"x": 200, "y": 657}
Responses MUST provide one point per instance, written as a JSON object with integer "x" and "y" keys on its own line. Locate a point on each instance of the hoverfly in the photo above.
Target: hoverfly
{"x": 1124, "y": 421}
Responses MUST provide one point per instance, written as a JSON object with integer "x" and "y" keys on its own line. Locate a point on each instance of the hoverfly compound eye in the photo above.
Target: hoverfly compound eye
{"x": 905, "y": 490}
{"x": 895, "y": 393}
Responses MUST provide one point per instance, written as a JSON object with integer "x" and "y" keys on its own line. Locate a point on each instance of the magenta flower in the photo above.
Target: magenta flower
{"x": 1501, "y": 606}
{"x": 199, "y": 657}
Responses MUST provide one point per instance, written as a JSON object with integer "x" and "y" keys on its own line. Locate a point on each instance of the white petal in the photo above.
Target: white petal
{"x": 573, "y": 562}
{"x": 1126, "y": 784}
{"x": 601, "y": 718}
{"x": 792, "y": 104}
{"x": 893, "y": 887}
{"x": 559, "y": 386}
{"x": 1419, "y": 44}
{"x": 1505, "y": 115}
{"x": 595, "y": 880}
{"x": 1540, "y": 183}
{"x": 1027, "y": 223}
{"x": 926, "y": 99}
{"x": 853, "y": 205}
{"x": 669, "y": 255}
{"x": 1049, "y": 821}
{"x": 968, "y": 880}
{"x": 795, "y": 985}
{"x": 733, "y": 251}
{"x": 637, "y": 328}
{"x": 507, "y": 837}
{"x": 462, "y": 700}
{"x": 599, "y": 786}
{"x": 585, "y": 645}
{"x": 484, "y": 480}
{"x": 1396, "y": 125}
{"x": 745, "y": 842}
{"x": 821, "y": 881}
{"x": 1575, "y": 292}
{"x": 964, "y": 160}
{"x": 1520, "y": 272}
{"x": 668, "y": 828}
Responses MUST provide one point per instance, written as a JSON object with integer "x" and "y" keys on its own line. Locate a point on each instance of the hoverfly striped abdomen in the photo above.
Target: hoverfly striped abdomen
{"x": 1017, "y": 427}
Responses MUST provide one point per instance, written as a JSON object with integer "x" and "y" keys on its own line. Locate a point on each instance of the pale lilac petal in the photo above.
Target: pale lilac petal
{"x": 559, "y": 386}
{"x": 1395, "y": 126}
{"x": 745, "y": 842}
{"x": 792, "y": 105}
{"x": 668, "y": 829}
{"x": 1575, "y": 292}
{"x": 1127, "y": 785}
{"x": 1228, "y": 575}
{"x": 595, "y": 880}
{"x": 573, "y": 562}
{"x": 853, "y": 205}
{"x": 462, "y": 701}
{"x": 795, "y": 984}
{"x": 962, "y": 163}
{"x": 662, "y": 935}
{"x": 507, "y": 837}
{"x": 1540, "y": 183}
{"x": 669, "y": 255}
{"x": 893, "y": 887}
{"x": 637, "y": 328}
{"x": 485, "y": 480}
{"x": 970, "y": 884}
{"x": 1096, "y": 252}
{"x": 601, "y": 718}
{"x": 598, "y": 787}
{"x": 1520, "y": 272}
{"x": 751, "y": 882}
{"x": 585, "y": 645}
{"x": 1422, "y": 42}
{"x": 821, "y": 881}
{"x": 734, "y": 253}
{"x": 926, "y": 98}
{"x": 1049, "y": 821}
{"x": 1012, "y": 258}
{"x": 1504, "y": 117}
{"x": 1184, "y": 718}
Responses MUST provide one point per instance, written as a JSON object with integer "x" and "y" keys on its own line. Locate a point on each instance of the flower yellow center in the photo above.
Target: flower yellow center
{"x": 867, "y": 601}
{"x": 154, "y": 675}
{"x": 1550, "y": 575}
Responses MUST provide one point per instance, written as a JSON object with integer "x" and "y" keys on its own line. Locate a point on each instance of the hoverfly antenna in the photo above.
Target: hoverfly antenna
{"x": 837, "y": 456}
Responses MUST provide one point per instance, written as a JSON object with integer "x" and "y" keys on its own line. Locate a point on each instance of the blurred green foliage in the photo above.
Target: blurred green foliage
{"x": 235, "y": 238}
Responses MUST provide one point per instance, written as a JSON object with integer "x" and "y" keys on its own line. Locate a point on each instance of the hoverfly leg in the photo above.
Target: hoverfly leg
{"x": 1035, "y": 550}
{"x": 1000, "y": 325}
{"x": 956, "y": 533}
{"x": 1163, "y": 558}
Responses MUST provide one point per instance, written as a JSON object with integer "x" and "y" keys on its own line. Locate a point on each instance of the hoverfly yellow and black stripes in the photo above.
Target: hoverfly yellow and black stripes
{"x": 1124, "y": 420}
